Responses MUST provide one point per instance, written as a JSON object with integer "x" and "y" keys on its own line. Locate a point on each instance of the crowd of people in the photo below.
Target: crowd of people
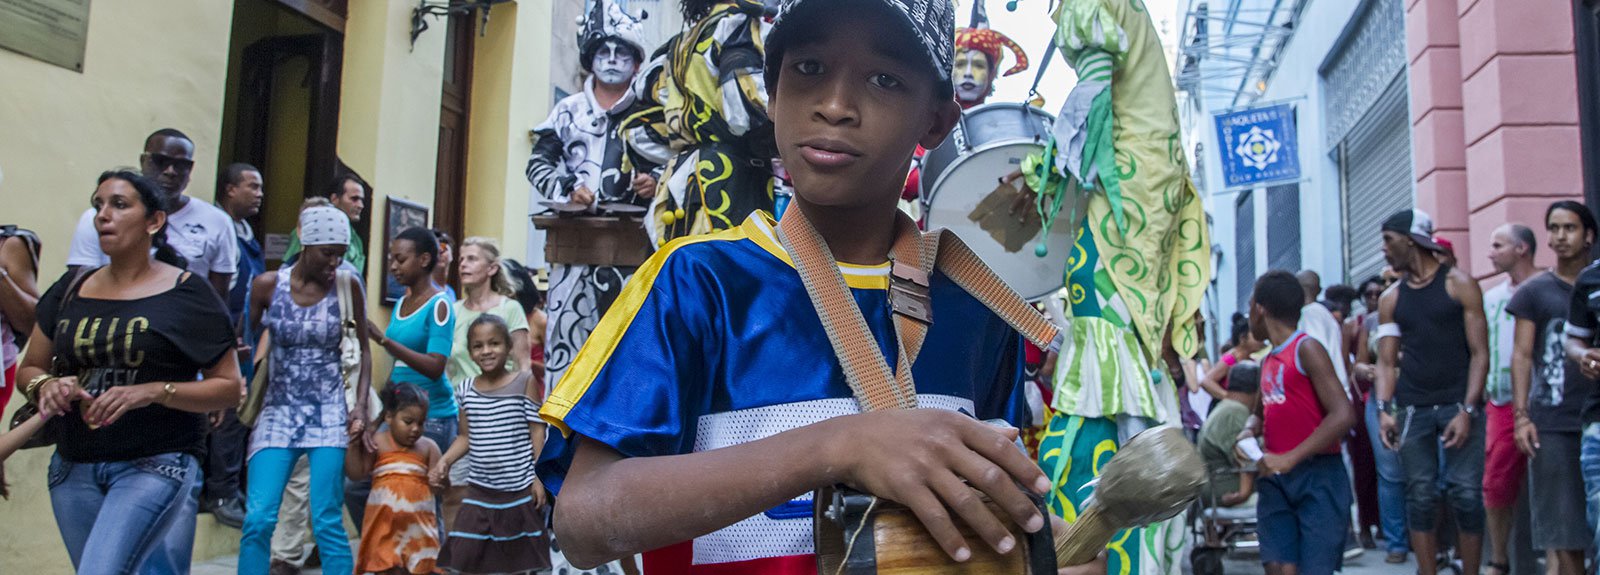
{"x": 135, "y": 364}
{"x": 1472, "y": 401}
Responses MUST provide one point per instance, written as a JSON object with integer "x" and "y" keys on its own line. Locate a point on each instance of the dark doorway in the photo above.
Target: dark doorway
{"x": 450, "y": 177}
{"x": 282, "y": 106}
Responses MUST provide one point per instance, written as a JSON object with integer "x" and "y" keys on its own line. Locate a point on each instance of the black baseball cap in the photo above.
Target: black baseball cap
{"x": 931, "y": 22}
{"x": 1414, "y": 223}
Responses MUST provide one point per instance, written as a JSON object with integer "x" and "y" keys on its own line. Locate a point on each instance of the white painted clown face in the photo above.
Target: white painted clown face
{"x": 972, "y": 75}
{"x": 614, "y": 64}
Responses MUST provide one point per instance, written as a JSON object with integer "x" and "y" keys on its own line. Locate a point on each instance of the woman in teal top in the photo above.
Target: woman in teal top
{"x": 420, "y": 332}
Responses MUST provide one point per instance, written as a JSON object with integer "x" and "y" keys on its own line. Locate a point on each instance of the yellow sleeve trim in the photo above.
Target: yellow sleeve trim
{"x": 597, "y": 350}
{"x": 759, "y": 227}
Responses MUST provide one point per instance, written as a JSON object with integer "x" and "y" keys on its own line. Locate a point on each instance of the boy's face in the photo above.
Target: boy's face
{"x": 851, "y": 105}
{"x": 1258, "y": 321}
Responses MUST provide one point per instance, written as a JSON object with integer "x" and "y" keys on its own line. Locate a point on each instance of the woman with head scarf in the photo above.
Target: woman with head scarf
{"x": 304, "y": 412}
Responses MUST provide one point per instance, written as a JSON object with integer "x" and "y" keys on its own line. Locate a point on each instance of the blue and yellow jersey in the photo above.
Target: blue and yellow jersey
{"x": 714, "y": 343}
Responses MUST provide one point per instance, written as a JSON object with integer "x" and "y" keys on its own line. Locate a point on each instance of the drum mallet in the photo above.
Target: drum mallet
{"x": 1153, "y": 477}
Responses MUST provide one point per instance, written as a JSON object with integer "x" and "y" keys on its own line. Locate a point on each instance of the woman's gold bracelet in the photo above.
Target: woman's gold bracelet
{"x": 31, "y": 390}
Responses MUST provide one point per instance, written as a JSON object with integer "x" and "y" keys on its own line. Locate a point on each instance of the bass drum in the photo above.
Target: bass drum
{"x": 967, "y": 179}
{"x": 980, "y": 127}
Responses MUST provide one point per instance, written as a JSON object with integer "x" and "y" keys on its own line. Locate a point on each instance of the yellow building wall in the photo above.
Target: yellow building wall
{"x": 510, "y": 95}
{"x": 389, "y": 123}
{"x": 149, "y": 64}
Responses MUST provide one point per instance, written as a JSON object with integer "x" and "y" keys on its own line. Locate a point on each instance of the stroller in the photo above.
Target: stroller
{"x": 1220, "y": 530}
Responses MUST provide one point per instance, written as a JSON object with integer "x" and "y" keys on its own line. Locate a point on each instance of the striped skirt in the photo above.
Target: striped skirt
{"x": 496, "y": 532}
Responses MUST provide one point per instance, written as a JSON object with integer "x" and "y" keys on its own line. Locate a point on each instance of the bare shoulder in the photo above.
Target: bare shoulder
{"x": 426, "y": 448}
{"x": 1463, "y": 287}
{"x": 265, "y": 281}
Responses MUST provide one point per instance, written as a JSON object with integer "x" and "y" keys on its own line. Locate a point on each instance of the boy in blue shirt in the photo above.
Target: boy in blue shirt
{"x": 708, "y": 404}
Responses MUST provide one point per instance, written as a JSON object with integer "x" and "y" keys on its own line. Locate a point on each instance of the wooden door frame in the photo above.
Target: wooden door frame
{"x": 258, "y": 66}
{"x": 449, "y": 209}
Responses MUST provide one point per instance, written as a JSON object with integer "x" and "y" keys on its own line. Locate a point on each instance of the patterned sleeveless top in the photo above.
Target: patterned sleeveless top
{"x": 304, "y": 406}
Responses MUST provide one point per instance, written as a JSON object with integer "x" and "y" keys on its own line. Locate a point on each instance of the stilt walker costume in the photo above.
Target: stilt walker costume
{"x": 1139, "y": 268}
{"x": 580, "y": 147}
{"x": 713, "y": 113}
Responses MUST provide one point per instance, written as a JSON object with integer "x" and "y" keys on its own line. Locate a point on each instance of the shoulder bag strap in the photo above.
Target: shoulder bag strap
{"x": 346, "y": 317}
{"x": 874, "y": 385}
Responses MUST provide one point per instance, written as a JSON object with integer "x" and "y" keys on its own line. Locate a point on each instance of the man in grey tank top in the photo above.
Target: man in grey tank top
{"x": 1433, "y": 360}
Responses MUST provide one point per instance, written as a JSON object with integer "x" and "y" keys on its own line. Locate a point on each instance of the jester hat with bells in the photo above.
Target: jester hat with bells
{"x": 990, "y": 42}
{"x": 605, "y": 20}
{"x": 978, "y": 37}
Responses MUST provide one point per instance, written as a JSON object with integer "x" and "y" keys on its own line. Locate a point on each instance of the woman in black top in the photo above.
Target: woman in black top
{"x": 114, "y": 361}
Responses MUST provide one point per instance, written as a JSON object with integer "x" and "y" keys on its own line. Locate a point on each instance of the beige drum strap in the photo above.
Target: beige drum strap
{"x": 913, "y": 258}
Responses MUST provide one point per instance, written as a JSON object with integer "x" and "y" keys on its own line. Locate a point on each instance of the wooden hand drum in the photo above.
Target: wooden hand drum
{"x": 1153, "y": 477}
{"x": 858, "y": 534}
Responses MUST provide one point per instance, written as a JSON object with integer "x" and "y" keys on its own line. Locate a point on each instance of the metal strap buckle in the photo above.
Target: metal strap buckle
{"x": 908, "y": 293}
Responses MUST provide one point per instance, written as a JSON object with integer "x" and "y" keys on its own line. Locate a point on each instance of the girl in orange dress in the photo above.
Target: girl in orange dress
{"x": 400, "y": 533}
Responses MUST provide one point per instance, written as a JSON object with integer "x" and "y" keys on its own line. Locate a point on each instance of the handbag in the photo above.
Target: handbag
{"x": 250, "y": 407}
{"x": 350, "y": 348}
{"x": 49, "y": 434}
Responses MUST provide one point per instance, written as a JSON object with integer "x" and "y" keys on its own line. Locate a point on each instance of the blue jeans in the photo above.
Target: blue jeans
{"x": 1589, "y": 458}
{"x": 1391, "y": 486}
{"x": 175, "y": 552}
{"x": 113, "y": 515}
{"x": 1421, "y": 448}
{"x": 269, "y": 473}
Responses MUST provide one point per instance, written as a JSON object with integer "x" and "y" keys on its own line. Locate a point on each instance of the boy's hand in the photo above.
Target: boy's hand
{"x": 936, "y": 462}
{"x": 1277, "y": 463}
{"x": 1386, "y": 430}
{"x": 1455, "y": 434}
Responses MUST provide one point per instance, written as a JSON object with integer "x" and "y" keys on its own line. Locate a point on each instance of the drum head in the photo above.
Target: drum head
{"x": 957, "y": 194}
{"x": 622, "y": 209}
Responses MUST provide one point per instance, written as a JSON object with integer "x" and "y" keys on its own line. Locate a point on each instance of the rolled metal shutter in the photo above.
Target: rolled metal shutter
{"x": 1375, "y": 178}
{"x": 1283, "y": 227}
{"x": 1244, "y": 234}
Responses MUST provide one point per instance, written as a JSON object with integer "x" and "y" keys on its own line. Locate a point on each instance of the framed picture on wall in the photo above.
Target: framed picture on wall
{"x": 398, "y": 215}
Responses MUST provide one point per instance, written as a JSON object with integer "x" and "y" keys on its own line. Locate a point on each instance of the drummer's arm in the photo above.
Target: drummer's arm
{"x": 544, "y": 167}
{"x": 903, "y": 455}
{"x": 676, "y": 498}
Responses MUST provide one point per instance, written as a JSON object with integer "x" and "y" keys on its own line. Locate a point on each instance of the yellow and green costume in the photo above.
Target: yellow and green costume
{"x": 712, "y": 111}
{"x": 1139, "y": 268}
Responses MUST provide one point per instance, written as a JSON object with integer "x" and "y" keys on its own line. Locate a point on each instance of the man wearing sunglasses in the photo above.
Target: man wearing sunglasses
{"x": 200, "y": 231}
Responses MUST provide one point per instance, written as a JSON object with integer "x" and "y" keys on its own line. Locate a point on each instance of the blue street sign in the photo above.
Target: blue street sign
{"x": 1258, "y": 145}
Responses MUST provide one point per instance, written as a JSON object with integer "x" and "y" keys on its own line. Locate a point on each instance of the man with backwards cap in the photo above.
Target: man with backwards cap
{"x": 1432, "y": 329}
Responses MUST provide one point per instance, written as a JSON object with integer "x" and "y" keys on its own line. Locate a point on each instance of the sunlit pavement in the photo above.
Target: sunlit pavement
{"x": 1241, "y": 563}
{"x": 1369, "y": 563}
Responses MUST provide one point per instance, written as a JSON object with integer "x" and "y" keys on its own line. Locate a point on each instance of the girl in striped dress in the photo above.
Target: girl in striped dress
{"x": 500, "y": 528}
{"x": 400, "y": 532}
